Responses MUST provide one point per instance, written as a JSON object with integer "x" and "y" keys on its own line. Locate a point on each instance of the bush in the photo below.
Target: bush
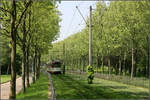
{"x": 90, "y": 74}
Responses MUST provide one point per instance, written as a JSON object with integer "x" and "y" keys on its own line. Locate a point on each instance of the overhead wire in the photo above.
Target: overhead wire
{"x": 70, "y": 24}
{"x": 73, "y": 17}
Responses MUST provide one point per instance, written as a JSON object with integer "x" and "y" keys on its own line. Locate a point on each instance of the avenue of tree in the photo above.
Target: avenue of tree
{"x": 120, "y": 40}
{"x": 28, "y": 28}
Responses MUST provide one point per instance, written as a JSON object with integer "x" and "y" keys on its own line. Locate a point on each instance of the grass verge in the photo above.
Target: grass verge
{"x": 38, "y": 90}
{"x": 73, "y": 86}
{"x": 5, "y": 78}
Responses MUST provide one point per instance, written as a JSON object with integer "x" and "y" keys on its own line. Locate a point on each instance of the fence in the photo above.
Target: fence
{"x": 136, "y": 81}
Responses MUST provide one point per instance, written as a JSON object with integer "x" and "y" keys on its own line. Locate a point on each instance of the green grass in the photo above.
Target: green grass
{"x": 73, "y": 86}
{"x": 38, "y": 90}
{"x": 136, "y": 81}
{"x": 5, "y": 78}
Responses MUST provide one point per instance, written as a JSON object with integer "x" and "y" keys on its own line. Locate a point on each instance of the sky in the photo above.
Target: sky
{"x": 72, "y": 22}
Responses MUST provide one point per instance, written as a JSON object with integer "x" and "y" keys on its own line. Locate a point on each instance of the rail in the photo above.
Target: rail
{"x": 52, "y": 89}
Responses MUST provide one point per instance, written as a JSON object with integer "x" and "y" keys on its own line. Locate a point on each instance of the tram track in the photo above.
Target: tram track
{"x": 82, "y": 94}
{"x": 78, "y": 91}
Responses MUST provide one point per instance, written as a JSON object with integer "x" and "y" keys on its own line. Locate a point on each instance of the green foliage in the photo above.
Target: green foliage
{"x": 41, "y": 28}
{"x": 90, "y": 74}
{"x": 117, "y": 28}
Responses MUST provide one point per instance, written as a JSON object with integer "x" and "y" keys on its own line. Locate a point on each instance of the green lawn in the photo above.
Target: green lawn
{"x": 39, "y": 90}
{"x": 5, "y": 78}
{"x": 71, "y": 86}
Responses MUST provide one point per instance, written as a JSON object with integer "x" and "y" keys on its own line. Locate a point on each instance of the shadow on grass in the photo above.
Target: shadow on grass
{"x": 39, "y": 90}
{"x": 69, "y": 88}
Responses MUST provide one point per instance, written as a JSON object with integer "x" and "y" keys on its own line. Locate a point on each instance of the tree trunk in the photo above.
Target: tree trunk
{"x": 24, "y": 51}
{"x": 12, "y": 94}
{"x": 132, "y": 69}
{"x": 116, "y": 69}
{"x": 80, "y": 65}
{"x": 120, "y": 66}
{"x": 124, "y": 64}
{"x": 103, "y": 64}
{"x": 33, "y": 69}
{"x": 27, "y": 65}
{"x": 148, "y": 57}
{"x": 84, "y": 64}
{"x": 98, "y": 65}
{"x": 23, "y": 74}
{"x": 8, "y": 69}
{"x": 109, "y": 66}
{"x": 135, "y": 65}
{"x": 148, "y": 69}
{"x": 36, "y": 65}
{"x": 28, "y": 47}
{"x": 39, "y": 63}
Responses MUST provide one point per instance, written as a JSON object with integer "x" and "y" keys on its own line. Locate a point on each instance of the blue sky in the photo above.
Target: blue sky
{"x": 72, "y": 21}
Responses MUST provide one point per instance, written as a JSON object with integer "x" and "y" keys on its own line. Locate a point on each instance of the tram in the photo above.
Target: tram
{"x": 55, "y": 67}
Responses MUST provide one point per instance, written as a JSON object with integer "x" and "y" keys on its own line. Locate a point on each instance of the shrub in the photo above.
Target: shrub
{"x": 90, "y": 74}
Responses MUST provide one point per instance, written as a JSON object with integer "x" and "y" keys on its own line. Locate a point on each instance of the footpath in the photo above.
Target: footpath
{"x": 5, "y": 88}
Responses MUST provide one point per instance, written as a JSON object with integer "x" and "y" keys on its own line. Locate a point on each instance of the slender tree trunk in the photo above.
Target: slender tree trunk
{"x": 120, "y": 66}
{"x": 27, "y": 62}
{"x": 72, "y": 64}
{"x": 109, "y": 66}
{"x": 12, "y": 94}
{"x": 23, "y": 66}
{"x": 116, "y": 69}
{"x": 148, "y": 72}
{"x": 24, "y": 51}
{"x": 132, "y": 69}
{"x": 39, "y": 63}
{"x": 28, "y": 47}
{"x": 97, "y": 63}
{"x": 124, "y": 64}
{"x": 36, "y": 65}
{"x": 8, "y": 68}
{"x": 103, "y": 64}
{"x": 148, "y": 58}
{"x": 135, "y": 65}
{"x": 84, "y": 64}
{"x": 80, "y": 65}
{"x": 33, "y": 69}
{"x": 23, "y": 74}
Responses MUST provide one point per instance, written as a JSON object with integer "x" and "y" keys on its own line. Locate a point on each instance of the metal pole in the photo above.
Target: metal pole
{"x": 90, "y": 37}
{"x": 149, "y": 60}
{"x": 63, "y": 58}
{"x": 0, "y": 63}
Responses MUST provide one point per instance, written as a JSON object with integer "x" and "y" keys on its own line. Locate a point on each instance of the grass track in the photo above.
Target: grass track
{"x": 39, "y": 90}
{"x": 72, "y": 86}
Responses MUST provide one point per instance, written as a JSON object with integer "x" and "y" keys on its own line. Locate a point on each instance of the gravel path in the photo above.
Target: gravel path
{"x": 5, "y": 88}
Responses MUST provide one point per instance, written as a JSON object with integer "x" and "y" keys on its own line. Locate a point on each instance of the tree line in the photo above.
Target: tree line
{"x": 120, "y": 33}
{"x": 27, "y": 30}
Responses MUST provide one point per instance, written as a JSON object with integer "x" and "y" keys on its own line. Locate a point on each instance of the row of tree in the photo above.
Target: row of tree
{"x": 120, "y": 39}
{"x": 28, "y": 28}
